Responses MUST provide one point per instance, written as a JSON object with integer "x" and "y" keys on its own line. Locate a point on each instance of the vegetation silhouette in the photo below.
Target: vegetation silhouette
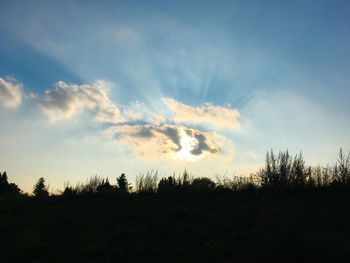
{"x": 40, "y": 189}
{"x": 281, "y": 172}
{"x": 8, "y": 189}
{"x": 287, "y": 211}
{"x": 123, "y": 185}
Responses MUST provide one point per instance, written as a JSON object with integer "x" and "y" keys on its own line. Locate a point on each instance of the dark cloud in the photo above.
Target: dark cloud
{"x": 202, "y": 145}
{"x": 189, "y": 133}
{"x": 145, "y": 132}
{"x": 173, "y": 135}
{"x": 149, "y": 139}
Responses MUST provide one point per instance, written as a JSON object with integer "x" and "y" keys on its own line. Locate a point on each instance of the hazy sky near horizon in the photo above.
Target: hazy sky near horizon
{"x": 105, "y": 87}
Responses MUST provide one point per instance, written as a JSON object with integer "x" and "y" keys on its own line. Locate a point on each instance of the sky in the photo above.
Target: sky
{"x": 109, "y": 87}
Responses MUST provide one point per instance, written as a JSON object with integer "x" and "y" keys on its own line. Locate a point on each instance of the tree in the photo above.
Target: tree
{"x": 122, "y": 184}
{"x": 343, "y": 167}
{"x": 284, "y": 171}
{"x": 6, "y": 188}
{"x": 40, "y": 189}
{"x": 3, "y": 178}
{"x": 299, "y": 173}
{"x": 269, "y": 174}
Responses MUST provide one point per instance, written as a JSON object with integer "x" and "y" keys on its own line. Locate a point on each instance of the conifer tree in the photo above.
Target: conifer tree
{"x": 40, "y": 189}
{"x": 122, "y": 183}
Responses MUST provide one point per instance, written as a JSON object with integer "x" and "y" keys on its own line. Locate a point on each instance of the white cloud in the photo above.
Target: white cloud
{"x": 135, "y": 111}
{"x": 10, "y": 92}
{"x": 219, "y": 117}
{"x": 65, "y": 101}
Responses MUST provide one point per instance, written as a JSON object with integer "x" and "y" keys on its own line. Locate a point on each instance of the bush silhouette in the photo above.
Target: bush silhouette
{"x": 105, "y": 188}
{"x": 94, "y": 185}
{"x": 237, "y": 183}
{"x": 167, "y": 185}
{"x": 202, "y": 184}
{"x": 147, "y": 183}
{"x": 69, "y": 190}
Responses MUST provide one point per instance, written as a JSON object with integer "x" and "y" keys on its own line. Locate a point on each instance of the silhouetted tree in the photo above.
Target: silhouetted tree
{"x": 6, "y": 188}
{"x": 284, "y": 163}
{"x": 122, "y": 184}
{"x": 40, "y": 189}
{"x": 284, "y": 171}
{"x": 269, "y": 174}
{"x": 3, "y": 177}
{"x": 343, "y": 168}
{"x": 298, "y": 172}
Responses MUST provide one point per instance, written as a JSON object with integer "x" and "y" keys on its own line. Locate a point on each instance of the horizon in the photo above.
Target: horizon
{"x": 91, "y": 88}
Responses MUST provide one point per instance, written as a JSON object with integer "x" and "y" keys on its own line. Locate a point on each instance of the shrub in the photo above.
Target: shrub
{"x": 167, "y": 185}
{"x": 147, "y": 183}
{"x": 202, "y": 184}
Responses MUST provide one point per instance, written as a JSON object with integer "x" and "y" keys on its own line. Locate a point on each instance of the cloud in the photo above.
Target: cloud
{"x": 10, "y": 92}
{"x": 147, "y": 133}
{"x": 176, "y": 142}
{"x": 201, "y": 145}
{"x": 219, "y": 117}
{"x": 65, "y": 101}
{"x": 135, "y": 111}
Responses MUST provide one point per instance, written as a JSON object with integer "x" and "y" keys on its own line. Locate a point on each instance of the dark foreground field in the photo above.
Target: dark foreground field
{"x": 205, "y": 227}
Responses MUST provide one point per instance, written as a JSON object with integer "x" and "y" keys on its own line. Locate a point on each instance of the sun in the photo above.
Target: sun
{"x": 187, "y": 143}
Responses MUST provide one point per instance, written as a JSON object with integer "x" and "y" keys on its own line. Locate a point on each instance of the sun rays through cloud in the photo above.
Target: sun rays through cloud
{"x": 183, "y": 133}
{"x": 188, "y": 144}
{"x": 114, "y": 84}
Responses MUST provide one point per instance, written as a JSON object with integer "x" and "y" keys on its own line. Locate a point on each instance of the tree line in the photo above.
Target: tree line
{"x": 281, "y": 171}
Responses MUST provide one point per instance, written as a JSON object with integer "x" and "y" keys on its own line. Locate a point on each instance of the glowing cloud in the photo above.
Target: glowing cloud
{"x": 219, "y": 117}
{"x": 157, "y": 135}
{"x": 175, "y": 142}
{"x": 66, "y": 100}
{"x": 10, "y": 92}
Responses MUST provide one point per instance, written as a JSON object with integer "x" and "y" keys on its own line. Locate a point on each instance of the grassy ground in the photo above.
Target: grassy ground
{"x": 211, "y": 227}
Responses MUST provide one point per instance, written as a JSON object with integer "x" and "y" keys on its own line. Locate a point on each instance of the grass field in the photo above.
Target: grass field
{"x": 246, "y": 226}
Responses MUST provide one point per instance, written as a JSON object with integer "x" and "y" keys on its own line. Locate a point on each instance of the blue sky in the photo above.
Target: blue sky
{"x": 83, "y": 80}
